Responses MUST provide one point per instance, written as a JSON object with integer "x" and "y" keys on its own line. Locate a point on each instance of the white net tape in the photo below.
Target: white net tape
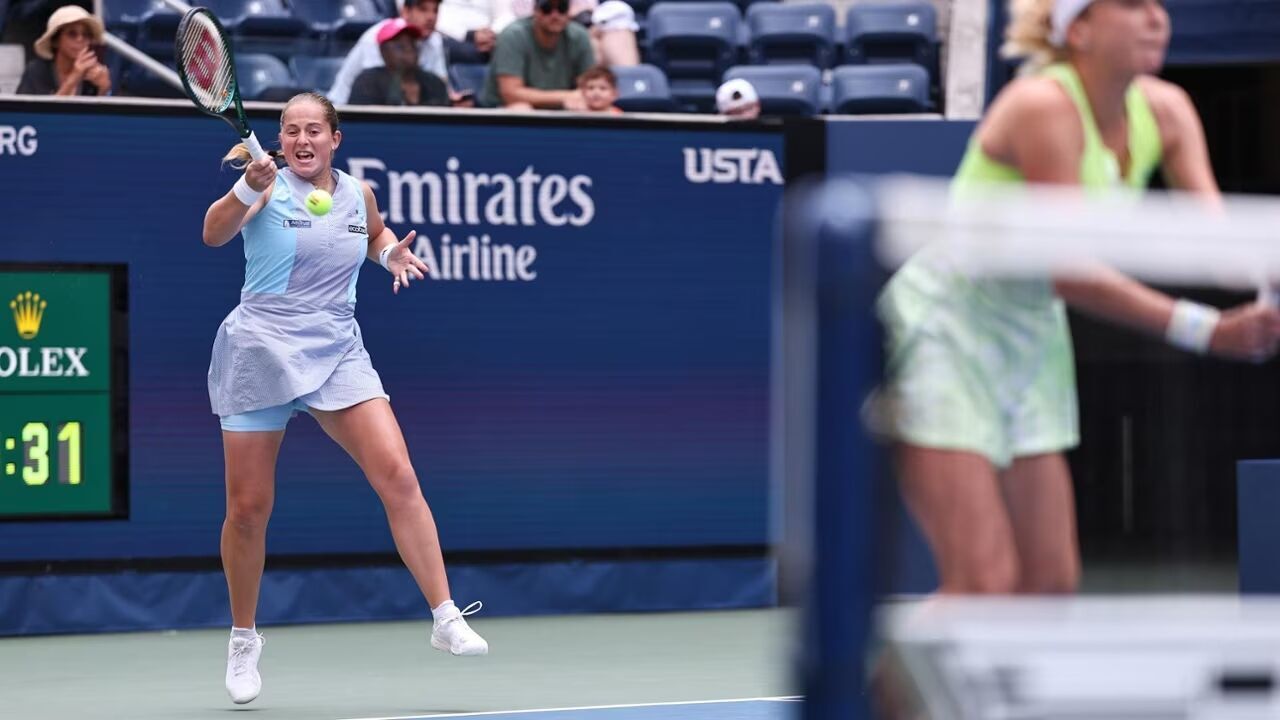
{"x": 1030, "y": 231}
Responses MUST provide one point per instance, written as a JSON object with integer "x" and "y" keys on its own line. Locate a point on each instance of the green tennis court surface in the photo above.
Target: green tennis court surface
{"x": 579, "y": 667}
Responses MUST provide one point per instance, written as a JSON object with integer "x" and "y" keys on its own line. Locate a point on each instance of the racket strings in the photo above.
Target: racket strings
{"x": 207, "y": 65}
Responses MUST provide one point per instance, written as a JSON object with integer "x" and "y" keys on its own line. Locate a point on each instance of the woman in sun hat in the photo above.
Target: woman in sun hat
{"x": 67, "y": 63}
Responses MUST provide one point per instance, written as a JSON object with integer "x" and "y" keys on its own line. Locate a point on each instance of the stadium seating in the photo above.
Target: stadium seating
{"x": 791, "y": 34}
{"x": 263, "y": 26}
{"x": 691, "y": 47}
{"x": 314, "y": 73}
{"x": 337, "y": 24}
{"x": 879, "y": 89}
{"x": 148, "y": 25}
{"x": 892, "y": 31}
{"x": 258, "y": 72}
{"x": 783, "y": 89}
{"x": 693, "y": 43}
{"x": 643, "y": 88}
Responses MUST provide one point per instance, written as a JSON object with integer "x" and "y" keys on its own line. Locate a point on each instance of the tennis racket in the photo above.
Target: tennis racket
{"x": 208, "y": 71}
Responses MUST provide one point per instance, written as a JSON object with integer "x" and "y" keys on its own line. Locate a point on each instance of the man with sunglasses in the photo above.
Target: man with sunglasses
{"x": 537, "y": 61}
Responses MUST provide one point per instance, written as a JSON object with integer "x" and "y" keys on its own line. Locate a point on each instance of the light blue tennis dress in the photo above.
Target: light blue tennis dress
{"x": 293, "y": 342}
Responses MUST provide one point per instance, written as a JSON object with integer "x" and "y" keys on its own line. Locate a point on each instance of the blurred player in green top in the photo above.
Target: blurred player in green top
{"x": 981, "y": 381}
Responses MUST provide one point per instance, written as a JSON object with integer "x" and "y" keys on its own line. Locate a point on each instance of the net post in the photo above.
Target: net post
{"x": 832, "y": 363}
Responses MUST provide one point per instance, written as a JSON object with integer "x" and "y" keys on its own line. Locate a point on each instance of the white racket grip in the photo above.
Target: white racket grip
{"x": 255, "y": 149}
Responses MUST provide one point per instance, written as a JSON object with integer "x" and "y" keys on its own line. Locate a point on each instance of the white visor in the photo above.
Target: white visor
{"x": 1064, "y": 13}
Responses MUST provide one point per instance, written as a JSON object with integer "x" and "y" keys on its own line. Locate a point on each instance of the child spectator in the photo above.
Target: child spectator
{"x": 599, "y": 88}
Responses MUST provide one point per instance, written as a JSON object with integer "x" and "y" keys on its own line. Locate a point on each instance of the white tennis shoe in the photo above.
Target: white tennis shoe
{"x": 452, "y": 634}
{"x": 243, "y": 681}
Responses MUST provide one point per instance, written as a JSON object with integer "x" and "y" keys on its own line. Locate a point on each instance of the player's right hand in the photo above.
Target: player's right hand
{"x": 261, "y": 174}
{"x": 1247, "y": 332}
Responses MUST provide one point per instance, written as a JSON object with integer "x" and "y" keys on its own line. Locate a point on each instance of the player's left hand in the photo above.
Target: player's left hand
{"x": 1247, "y": 332}
{"x": 403, "y": 264}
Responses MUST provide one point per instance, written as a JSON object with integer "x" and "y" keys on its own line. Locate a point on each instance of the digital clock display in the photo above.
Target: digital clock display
{"x": 63, "y": 369}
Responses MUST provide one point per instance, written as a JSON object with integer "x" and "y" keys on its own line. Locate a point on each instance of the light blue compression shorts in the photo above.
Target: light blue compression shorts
{"x": 264, "y": 420}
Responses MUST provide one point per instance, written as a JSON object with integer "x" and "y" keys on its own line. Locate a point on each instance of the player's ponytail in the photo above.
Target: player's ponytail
{"x": 1030, "y": 27}
{"x": 238, "y": 157}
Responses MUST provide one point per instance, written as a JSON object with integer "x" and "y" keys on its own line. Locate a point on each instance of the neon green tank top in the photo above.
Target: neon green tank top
{"x": 927, "y": 281}
{"x": 1098, "y": 165}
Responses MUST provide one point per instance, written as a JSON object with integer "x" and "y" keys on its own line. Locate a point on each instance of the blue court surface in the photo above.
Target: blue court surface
{"x": 772, "y": 708}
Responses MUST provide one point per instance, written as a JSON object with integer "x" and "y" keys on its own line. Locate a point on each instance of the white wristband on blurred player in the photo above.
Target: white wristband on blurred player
{"x": 244, "y": 193}
{"x": 1191, "y": 326}
{"x": 384, "y": 255}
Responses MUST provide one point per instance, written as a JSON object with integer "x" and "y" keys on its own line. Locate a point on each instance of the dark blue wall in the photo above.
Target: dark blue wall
{"x": 617, "y": 400}
{"x": 926, "y": 147}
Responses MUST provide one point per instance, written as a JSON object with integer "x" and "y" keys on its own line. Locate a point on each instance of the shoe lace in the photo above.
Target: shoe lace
{"x": 471, "y": 609}
{"x": 240, "y": 652}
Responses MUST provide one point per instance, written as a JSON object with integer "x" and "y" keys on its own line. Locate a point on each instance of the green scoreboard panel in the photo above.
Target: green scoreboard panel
{"x": 63, "y": 395}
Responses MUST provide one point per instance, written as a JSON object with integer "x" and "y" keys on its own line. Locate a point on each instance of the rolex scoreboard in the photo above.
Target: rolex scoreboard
{"x": 63, "y": 394}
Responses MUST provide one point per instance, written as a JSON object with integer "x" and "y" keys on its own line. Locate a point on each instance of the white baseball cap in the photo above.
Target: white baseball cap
{"x": 735, "y": 95}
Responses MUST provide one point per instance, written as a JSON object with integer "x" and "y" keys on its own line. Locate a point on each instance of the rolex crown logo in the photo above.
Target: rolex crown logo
{"x": 28, "y": 311}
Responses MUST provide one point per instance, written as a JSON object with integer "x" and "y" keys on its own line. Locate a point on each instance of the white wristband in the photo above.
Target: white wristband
{"x": 244, "y": 193}
{"x": 1191, "y": 326}
{"x": 382, "y": 256}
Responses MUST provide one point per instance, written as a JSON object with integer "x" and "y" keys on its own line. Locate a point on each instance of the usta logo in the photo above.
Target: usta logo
{"x": 749, "y": 166}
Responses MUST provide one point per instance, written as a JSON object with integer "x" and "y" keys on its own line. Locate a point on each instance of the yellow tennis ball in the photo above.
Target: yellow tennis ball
{"x": 319, "y": 202}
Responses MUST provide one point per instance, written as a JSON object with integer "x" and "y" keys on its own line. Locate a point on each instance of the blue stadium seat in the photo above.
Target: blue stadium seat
{"x": 256, "y": 73}
{"x": 137, "y": 81}
{"x": 783, "y": 89}
{"x": 693, "y": 43}
{"x": 315, "y": 73}
{"x": 386, "y": 7}
{"x": 263, "y": 26}
{"x": 339, "y": 22}
{"x": 746, "y": 5}
{"x": 791, "y": 34}
{"x": 469, "y": 76}
{"x": 892, "y": 31}
{"x": 462, "y": 52}
{"x": 879, "y": 89}
{"x": 641, "y": 7}
{"x": 643, "y": 88}
{"x": 148, "y": 25}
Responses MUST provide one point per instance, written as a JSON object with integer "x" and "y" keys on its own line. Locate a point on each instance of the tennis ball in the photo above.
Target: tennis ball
{"x": 319, "y": 202}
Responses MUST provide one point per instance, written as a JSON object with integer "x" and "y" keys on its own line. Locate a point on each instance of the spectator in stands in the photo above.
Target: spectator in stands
{"x": 477, "y": 22}
{"x": 613, "y": 33}
{"x": 399, "y": 81}
{"x": 612, "y": 25}
{"x": 537, "y": 61}
{"x": 68, "y": 62}
{"x": 599, "y": 88}
{"x": 738, "y": 100}
{"x": 367, "y": 52}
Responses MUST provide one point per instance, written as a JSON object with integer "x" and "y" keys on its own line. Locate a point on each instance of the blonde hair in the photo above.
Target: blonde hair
{"x": 1030, "y": 25}
{"x": 239, "y": 156}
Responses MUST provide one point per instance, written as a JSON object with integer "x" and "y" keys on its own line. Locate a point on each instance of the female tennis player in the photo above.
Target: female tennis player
{"x": 293, "y": 344}
{"x": 981, "y": 375}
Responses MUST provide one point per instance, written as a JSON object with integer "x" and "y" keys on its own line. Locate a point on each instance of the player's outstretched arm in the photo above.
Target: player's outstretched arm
{"x": 392, "y": 253}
